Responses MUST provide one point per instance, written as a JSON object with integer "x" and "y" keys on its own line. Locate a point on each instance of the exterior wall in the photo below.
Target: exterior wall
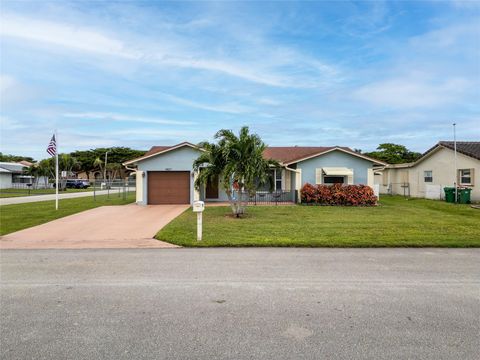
{"x": 180, "y": 159}
{"x": 222, "y": 195}
{"x": 335, "y": 159}
{"x": 441, "y": 163}
{"x": 5, "y": 180}
{"x": 392, "y": 181}
{"x": 288, "y": 184}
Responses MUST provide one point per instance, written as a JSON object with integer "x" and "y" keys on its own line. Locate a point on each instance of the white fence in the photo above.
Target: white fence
{"x": 433, "y": 192}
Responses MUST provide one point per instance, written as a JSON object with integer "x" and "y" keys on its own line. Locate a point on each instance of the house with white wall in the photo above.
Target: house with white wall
{"x": 435, "y": 170}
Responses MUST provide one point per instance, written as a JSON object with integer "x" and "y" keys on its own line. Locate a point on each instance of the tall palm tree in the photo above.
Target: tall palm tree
{"x": 239, "y": 161}
{"x": 98, "y": 164}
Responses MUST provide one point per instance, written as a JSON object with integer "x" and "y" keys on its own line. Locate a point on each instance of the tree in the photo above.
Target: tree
{"x": 15, "y": 158}
{"x": 239, "y": 162}
{"x": 393, "y": 154}
{"x": 98, "y": 164}
{"x": 92, "y": 159}
{"x": 85, "y": 160}
{"x": 113, "y": 170}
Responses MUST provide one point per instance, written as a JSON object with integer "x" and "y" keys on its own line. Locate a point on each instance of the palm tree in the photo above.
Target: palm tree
{"x": 98, "y": 164}
{"x": 113, "y": 170}
{"x": 239, "y": 161}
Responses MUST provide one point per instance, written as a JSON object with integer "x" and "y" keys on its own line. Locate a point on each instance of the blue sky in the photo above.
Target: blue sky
{"x": 298, "y": 73}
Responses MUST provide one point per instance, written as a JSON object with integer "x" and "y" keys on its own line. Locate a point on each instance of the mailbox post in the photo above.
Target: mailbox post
{"x": 198, "y": 207}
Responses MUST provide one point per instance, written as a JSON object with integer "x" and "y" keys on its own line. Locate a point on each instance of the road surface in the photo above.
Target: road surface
{"x": 50, "y": 197}
{"x": 257, "y": 303}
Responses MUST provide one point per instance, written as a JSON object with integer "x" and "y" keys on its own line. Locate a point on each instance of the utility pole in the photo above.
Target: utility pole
{"x": 105, "y": 167}
{"x": 455, "y": 160}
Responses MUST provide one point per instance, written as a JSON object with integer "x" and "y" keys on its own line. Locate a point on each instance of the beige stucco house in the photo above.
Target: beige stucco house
{"x": 433, "y": 171}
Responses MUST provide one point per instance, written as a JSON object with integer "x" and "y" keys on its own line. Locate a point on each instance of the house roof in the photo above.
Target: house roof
{"x": 284, "y": 154}
{"x": 25, "y": 163}
{"x": 293, "y": 154}
{"x": 288, "y": 154}
{"x": 157, "y": 150}
{"x": 469, "y": 148}
{"x": 12, "y": 167}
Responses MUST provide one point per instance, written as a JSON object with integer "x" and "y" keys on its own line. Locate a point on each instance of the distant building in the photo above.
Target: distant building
{"x": 13, "y": 173}
{"x": 435, "y": 170}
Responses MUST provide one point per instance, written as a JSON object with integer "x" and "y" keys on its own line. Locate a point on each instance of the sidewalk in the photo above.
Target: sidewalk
{"x": 49, "y": 197}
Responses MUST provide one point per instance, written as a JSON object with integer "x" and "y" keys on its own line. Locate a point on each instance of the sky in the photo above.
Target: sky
{"x": 314, "y": 73}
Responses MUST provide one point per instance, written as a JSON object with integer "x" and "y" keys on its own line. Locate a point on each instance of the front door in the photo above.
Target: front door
{"x": 211, "y": 192}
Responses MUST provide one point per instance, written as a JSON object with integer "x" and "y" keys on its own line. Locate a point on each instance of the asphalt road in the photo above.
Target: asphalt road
{"x": 240, "y": 304}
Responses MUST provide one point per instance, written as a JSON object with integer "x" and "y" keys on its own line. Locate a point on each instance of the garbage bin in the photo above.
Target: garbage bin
{"x": 449, "y": 194}
{"x": 464, "y": 196}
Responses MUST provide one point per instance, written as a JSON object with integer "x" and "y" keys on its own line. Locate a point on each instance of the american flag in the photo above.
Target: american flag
{"x": 52, "y": 146}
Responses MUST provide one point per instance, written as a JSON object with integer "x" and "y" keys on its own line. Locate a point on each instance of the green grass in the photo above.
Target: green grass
{"x": 396, "y": 222}
{"x": 21, "y": 216}
{"x": 7, "y": 193}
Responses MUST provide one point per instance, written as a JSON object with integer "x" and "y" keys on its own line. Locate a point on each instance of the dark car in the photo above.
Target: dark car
{"x": 77, "y": 184}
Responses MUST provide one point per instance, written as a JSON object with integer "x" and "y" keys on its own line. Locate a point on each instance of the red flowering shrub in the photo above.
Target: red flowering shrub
{"x": 338, "y": 194}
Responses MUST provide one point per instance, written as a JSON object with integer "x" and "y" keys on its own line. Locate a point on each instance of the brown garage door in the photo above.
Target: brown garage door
{"x": 168, "y": 187}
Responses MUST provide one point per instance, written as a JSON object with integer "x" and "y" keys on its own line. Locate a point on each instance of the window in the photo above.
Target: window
{"x": 465, "y": 176}
{"x": 278, "y": 179}
{"x": 334, "y": 179}
{"x": 428, "y": 176}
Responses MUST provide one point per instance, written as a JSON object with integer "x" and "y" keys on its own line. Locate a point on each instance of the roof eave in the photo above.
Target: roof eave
{"x": 174, "y": 147}
{"x": 333, "y": 149}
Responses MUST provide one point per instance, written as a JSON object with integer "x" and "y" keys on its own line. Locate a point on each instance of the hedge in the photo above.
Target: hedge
{"x": 338, "y": 194}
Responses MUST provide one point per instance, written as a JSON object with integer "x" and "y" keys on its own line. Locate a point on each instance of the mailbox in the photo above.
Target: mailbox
{"x": 198, "y": 206}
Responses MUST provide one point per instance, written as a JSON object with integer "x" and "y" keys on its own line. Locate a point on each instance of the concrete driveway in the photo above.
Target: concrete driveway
{"x": 125, "y": 226}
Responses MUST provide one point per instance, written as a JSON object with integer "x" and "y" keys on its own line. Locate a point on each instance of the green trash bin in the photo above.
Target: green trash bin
{"x": 464, "y": 196}
{"x": 449, "y": 194}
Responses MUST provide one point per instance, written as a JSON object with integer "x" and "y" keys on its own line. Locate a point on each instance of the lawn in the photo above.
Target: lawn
{"x": 22, "y": 216}
{"x": 7, "y": 193}
{"x": 395, "y": 222}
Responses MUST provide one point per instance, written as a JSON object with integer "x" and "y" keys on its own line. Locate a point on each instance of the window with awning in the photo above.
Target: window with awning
{"x": 337, "y": 171}
{"x": 334, "y": 175}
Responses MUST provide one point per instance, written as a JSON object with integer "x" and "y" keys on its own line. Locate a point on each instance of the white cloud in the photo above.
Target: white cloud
{"x": 172, "y": 51}
{"x": 14, "y": 92}
{"x": 125, "y": 118}
{"x": 411, "y": 92}
{"x": 78, "y": 38}
{"x": 230, "y": 108}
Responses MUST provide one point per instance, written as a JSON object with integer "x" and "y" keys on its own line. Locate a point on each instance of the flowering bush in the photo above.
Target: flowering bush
{"x": 338, "y": 194}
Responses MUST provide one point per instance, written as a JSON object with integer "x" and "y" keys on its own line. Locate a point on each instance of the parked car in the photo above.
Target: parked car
{"x": 77, "y": 184}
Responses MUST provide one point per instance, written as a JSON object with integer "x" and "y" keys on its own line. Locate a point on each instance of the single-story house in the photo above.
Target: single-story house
{"x": 435, "y": 170}
{"x": 13, "y": 173}
{"x": 165, "y": 176}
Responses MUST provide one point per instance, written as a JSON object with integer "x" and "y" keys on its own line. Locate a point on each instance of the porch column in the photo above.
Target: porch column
{"x": 139, "y": 186}
{"x": 298, "y": 184}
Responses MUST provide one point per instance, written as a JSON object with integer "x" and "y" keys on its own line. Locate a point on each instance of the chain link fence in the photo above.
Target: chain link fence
{"x": 118, "y": 187}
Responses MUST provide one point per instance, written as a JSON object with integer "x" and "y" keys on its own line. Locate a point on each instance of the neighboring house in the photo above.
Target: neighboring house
{"x": 433, "y": 171}
{"x": 165, "y": 176}
{"x": 97, "y": 175}
{"x": 13, "y": 175}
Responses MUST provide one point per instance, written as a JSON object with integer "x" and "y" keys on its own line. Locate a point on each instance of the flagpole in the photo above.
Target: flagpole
{"x": 455, "y": 160}
{"x": 56, "y": 170}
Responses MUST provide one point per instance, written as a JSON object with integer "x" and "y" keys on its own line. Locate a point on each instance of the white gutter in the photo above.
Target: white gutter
{"x": 131, "y": 169}
{"x": 294, "y": 170}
